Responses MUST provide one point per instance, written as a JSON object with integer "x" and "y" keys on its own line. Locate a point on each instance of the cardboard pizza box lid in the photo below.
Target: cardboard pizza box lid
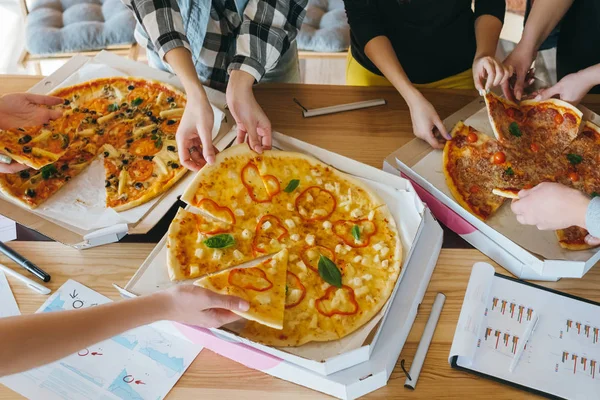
{"x": 509, "y": 253}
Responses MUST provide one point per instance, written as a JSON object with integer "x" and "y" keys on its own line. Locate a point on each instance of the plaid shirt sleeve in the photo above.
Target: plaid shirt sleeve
{"x": 161, "y": 22}
{"x": 268, "y": 28}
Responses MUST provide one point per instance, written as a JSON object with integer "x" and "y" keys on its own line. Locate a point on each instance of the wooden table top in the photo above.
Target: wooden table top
{"x": 367, "y": 136}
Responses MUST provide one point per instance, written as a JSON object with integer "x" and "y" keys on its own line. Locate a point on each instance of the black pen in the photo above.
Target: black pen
{"x": 23, "y": 262}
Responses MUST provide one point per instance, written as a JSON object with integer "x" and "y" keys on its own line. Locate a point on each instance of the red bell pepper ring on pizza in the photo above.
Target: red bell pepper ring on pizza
{"x": 310, "y": 256}
{"x": 260, "y": 188}
{"x": 347, "y": 232}
{"x": 221, "y": 213}
{"x": 275, "y": 230}
{"x": 315, "y": 204}
{"x": 250, "y": 278}
{"x": 293, "y": 282}
{"x": 351, "y": 303}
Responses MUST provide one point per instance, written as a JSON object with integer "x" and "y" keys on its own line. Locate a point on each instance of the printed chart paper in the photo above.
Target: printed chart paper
{"x": 144, "y": 363}
{"x": 561, "y": 357}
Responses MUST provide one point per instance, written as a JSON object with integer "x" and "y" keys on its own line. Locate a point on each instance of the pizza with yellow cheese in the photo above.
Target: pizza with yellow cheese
{"x": 263, "y": 286}
{"x": 345, "y": 251}
{"x": 130, "y": 122}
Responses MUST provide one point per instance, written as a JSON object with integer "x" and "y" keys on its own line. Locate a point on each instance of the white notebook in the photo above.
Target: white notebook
{"x": 561, "y": 359}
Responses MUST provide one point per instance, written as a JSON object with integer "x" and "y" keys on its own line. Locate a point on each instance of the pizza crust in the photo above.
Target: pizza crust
{"x": 560, "y": 235}
{"x": 557, "y": 103}
{"x": 507, "y": 193}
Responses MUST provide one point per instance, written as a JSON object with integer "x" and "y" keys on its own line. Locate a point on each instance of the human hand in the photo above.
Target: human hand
{"x": 197, "y": 306}
{"x": 250, "y": 118}
{"x": 12, "y": 168}
{"x": 490, "y": 70}
{"x": 551, "y": 206}
{"x": 18, "y": 110}
{"x": 520, "y": 60}
{"x": 194, "y": 134}
{"x": 426, "y": 121}
{"x": 571, "y": 88}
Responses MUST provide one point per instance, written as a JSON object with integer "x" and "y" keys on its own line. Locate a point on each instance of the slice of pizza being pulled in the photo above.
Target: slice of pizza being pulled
{"x": 263, "y": 286}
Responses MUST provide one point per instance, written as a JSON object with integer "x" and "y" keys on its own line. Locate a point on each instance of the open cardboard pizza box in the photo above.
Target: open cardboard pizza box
{"x": 523, "y": 250}
{"x": 76, "y": 215}
{"x": 333, "y": 367}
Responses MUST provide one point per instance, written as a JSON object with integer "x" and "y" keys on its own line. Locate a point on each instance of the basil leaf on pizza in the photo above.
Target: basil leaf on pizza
{"x": 221, "y": 241}
{"x": 329, "y": 272}
{"x": 514, "y": 129}
{"x": 574, "y": 158}
{"x": 136, "y": 102}
{"x": 356, "y": 232}
{"x": 509, "y": 171}
{"x": 292, "y": 186}
{"x": 113, "y": 107}
{"x": 48, "y": 171}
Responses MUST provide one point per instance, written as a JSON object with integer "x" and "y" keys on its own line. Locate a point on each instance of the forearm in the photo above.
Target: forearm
{"x": 32, "y": 340}
{"x": 544, "y": 17}
{"x": 590, "y": 75}
{"x": 180, "y": 60}
{"x": 382, "y": 54}
{"x": 487, "y": 33}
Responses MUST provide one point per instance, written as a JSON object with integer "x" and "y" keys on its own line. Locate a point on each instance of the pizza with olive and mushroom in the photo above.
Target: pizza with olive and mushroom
{"x": 536, "y": 142}
{"x": 131, "y": 122}
{"x": 344, "y": 248}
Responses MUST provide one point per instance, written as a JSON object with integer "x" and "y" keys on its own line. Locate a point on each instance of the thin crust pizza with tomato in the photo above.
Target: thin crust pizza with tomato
{"x": 536, "y": 142}
{"x": 345, "y": 251}
{"x": 263, "y": 286}
{"x": 131, "y": 122}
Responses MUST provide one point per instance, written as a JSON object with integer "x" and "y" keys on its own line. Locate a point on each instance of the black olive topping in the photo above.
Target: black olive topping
{"x": 171, "y": 148}
{"x": 25, "y": 139}
{"x": 170, "y": 122}
{"x": 26, "y": 149}
{"x": 24, "y": 174}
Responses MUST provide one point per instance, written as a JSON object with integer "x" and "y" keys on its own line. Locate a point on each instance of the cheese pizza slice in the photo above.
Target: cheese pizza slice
{"x": 199, "y": 245}
{"x": 263, "y": 286}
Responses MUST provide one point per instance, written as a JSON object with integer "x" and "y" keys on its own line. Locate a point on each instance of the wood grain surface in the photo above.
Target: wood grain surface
{"x": 212, "y": 376}
{"x": 367, "y": 136}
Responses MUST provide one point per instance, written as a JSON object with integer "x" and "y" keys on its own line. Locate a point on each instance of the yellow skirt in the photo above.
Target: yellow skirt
{"x": 357, "y": 75}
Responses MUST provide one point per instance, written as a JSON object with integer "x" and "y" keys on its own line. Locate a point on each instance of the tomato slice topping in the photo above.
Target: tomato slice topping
{"x": 255, "y": 185}
{"x": 325, "y": 306}
{"x": 222, "y": 213}
{"x": 315, "y": 204}
{"x": 169, "y": 126}
{"x": 558, "y": 119}
{"x": 472, "y": 137}
{"x": 514, "y": 114}
{"x": 269, "y": 227}
{"x": 144, "y": 147}
{"x": 534, "y": 147}
{"x": 366, "y": 229}
{"x": 499, "y": 157}
{"x": 573, "y": 176}
{"x": 250, "y": 278}
{"x": 111, "y": 168}
{"x": 310, "y": 256}
{"x": 141, "y": 170}
{"x": 293, "y": 286}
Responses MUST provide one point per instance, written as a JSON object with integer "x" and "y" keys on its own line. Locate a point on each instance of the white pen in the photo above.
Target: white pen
{"x": 31, "y": 284}
{"x": 419, "y": 359}
{"x": 526, "y": 336}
